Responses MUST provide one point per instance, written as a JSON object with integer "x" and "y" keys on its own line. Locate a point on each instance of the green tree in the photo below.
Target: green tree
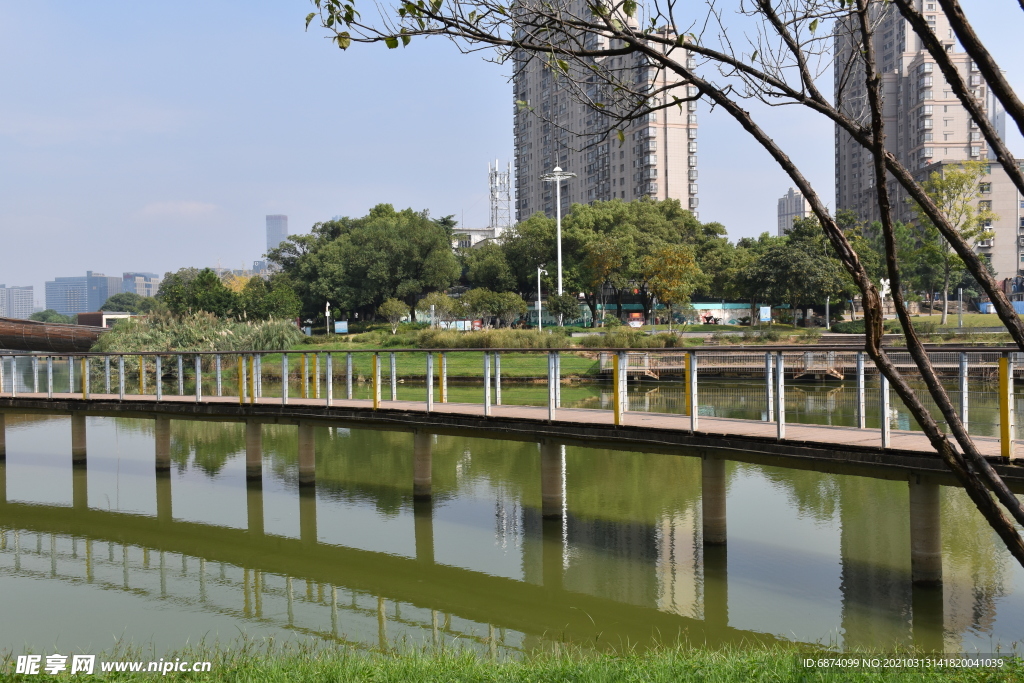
{"x": 263, "y": 300}
{"x": 191, "y": 290}
{"x": 51, "y": 316}
{"x": 130, "y": 302}
{"x": 956, "y": 191}
{"x": 393, "y": 311}
{"x": 566, "y": 306}
{"x": 672, "y": 275}
{"x": 445, "y": 309}
{"x": 486, "y": 266}
{"x": 509, "y": 307}
{"x": 480, "y": 303}
{"x": 359, "y": 263}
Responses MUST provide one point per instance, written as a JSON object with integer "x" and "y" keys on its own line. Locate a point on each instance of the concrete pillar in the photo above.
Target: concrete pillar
{"x": 253, "y": 450}
{"x": 3, "y": 436}
{"x": 716, "y": 590}
{"x": 162, "y": 434}
{"x": 928, "y": 618}
{"x": 77, "y": 438}
{"x": 423, "y": 521}
{"x": 551, "y": 480}
{"x": 3, "y": 481}
{"x": 254, "y": 506}
{"x": 925, "y": 533}
{"x": 307, "y": 455}
{"x": 552, "y": 553}
{"x": 79, "y": 486}
{"x": 713, "y": 500}
{"x": 422, "y": 465}
{"x": 307, "y": 514}
{"x": 163, "y": 496}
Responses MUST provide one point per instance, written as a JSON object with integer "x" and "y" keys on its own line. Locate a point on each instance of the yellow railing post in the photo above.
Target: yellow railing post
{"x": 305, "y": 375}
{"x": 241, "y": 379}
{"x": 616, "y": 398}
{"x": 1006, "y": 426}
{"x": 444, "y": 376}
{"x": 376, "y": 381}
{"x": 252, "y": 378}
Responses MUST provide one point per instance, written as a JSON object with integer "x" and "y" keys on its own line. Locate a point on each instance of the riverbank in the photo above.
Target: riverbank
{"x": 777, "y": 665}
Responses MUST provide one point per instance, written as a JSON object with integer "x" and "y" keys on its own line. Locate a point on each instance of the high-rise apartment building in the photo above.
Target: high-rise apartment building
{"x": 16, "y": 302}
{"x": 277, "y": 230}
{"x": 792, "y": 205}
{"x": 658, "y": 157}
{"x": 927, "y": 129}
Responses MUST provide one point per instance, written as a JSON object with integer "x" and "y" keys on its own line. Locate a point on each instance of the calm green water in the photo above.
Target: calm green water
{"x": 113, "y": 552}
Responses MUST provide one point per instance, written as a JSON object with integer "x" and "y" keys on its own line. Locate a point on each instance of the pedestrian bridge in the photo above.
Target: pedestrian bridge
{"x": 299, "y": 388}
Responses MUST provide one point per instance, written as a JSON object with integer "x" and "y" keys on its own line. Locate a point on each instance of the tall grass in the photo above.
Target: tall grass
{"x": 299, "y": 663}
{"x": 197, "y": 332}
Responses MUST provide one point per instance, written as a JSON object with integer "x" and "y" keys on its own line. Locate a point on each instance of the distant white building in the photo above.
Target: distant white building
{"x": 16, "y": 302}
{"x": 792, "y": 206}
{"x": 143, "y": 284}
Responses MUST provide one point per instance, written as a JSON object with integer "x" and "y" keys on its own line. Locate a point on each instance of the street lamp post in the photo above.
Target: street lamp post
{"x": 557, "y": 176}
{"x": 540, "y": 269}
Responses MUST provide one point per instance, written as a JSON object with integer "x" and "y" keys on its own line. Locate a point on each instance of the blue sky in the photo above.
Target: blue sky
{"x": 153, "y": 136}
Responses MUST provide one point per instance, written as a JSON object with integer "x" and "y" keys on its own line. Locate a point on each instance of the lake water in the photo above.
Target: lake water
{"x": 114, "y": 553}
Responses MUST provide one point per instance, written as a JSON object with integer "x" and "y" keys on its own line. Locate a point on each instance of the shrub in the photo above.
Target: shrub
{"x": 490, "y": 339}
{"x": 197, "y": 332}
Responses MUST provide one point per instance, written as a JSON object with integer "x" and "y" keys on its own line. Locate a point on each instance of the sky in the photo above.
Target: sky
{"x": 151, "y": 136}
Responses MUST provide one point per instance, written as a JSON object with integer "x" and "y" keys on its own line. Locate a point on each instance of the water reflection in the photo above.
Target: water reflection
{"x": 477, "y": 557}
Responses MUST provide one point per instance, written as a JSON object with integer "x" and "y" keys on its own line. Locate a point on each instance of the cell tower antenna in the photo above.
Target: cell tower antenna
{"x": 501, "y": 197}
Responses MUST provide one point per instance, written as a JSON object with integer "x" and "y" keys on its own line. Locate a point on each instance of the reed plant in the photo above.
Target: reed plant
{"x": 197, "y": 332}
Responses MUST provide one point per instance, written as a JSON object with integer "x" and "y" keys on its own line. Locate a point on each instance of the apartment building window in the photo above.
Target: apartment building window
{"x": 691, "y": 161}
{"x": 925, "y": 68}
{"x": 985, "y": 205}
{"x": 975, "y": 151}
{"x": 927, "y": 95}
{"x": 985, "y": 188}
{"x": 693, "y": 188}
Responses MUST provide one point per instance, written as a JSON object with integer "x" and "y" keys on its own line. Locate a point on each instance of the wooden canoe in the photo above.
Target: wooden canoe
{"x": 31, "y": 335}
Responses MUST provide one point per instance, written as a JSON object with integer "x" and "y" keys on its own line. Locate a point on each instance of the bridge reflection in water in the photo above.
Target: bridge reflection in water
{"x": 512, "y": 546}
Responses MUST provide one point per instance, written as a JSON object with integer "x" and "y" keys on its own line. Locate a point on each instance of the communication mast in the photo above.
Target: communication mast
{"x": 501, "y": 198}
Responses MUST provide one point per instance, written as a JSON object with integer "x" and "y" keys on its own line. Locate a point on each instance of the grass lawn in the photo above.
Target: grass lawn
{"x": 669, "y": 665}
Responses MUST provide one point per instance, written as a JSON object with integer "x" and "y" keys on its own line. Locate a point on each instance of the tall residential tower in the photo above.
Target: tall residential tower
{"x": 658, "y": 157}
{"x": 277, "y": 230}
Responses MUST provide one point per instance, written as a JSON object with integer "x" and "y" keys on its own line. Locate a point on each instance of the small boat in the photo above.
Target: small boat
{"x": 32, "y": 335}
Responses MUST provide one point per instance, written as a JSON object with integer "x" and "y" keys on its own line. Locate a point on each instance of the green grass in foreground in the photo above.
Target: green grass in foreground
{"x": 302, "y": 664}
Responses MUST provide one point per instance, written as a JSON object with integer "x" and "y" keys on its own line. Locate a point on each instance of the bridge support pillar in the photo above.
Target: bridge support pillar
{"x": 78, "y": 449}
{"x": 552, "y": 480}
{"x": 3, "y": 436}
{"x": 713, "y": 500}
{"x": 422, "y": 465}
{"x": 254, "y": 506}
{"x": 928, "y": 618}
{"x": 79, "y": 486}
{"x": 253, "y": 450}
{"x": 163, "y": 496}
{"x": 553, "y": 552}
{"x": 307, "y": 455}
{"x": 3, "y": 481}
{"x": 162, "y": 435}
{"x": 423, "y": 521}
{"x": 925, "y": 533}
{"x": 307, "y": 514}
{"x": 716, "y": 588}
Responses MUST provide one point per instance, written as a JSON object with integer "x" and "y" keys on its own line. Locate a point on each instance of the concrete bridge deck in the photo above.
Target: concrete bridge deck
{"x": 805, "y": 446}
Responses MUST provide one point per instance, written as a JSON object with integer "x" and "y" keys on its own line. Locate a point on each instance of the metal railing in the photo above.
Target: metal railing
{"x": 326, "y": 377}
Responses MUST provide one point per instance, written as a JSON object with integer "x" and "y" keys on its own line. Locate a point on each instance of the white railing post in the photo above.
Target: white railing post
{"x": 497, "y": 379}
{"x": 884, "y": 410}
{"x": 159, "y": 380}
{"x": 862, "y": 413}
{"x": 219, "y": 373}
{"x": 964, "y": 403}
{"x": 14, "y": 377}
{"x": 106, "y": 374}
{"x": 780, "y": 396}
{"x": 199, "y": 378}
{"x": 558, "y": 379}
{"x": 348, "y": 376}
{"x": 284, "y": 379}
{"x": 551, "y": 386}
{"x": 487, "y": 384}
{"x": 430, "y": 381}
{"x": 768, "y": 391}
{"x": 329, "y": 371}
{"x": 393, "y": 377}
{"x": 49, "y": 377}
{"x": 120, "y": 377}
{"x": 694, "y": 394}
{"x": 71, "y": 373}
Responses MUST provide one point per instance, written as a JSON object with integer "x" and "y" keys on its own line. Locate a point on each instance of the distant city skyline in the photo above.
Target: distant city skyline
{"x": 121, "y": 152}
